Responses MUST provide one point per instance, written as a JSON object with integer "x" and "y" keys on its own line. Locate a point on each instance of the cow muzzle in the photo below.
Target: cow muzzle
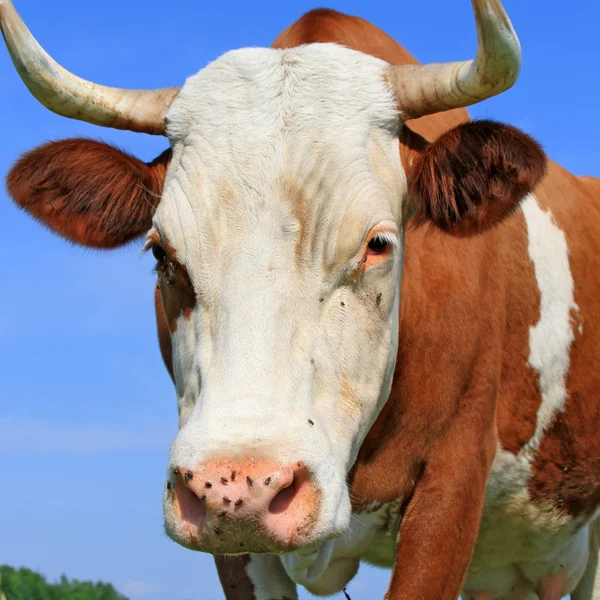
{"x": 230, "y": 507}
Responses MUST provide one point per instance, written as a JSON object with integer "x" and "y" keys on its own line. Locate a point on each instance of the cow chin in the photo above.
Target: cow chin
{"x": 258, "y": 508}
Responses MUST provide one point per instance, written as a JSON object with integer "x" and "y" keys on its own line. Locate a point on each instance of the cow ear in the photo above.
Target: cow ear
{"x": 474, "y": 176}
{"x": 87, "y": 191}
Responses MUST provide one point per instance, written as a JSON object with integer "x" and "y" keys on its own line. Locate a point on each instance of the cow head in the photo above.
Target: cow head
{"x": 277, "y": 220}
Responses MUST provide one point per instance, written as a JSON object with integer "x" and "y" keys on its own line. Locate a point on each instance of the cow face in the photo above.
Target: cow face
{"x": 279, "y": 242}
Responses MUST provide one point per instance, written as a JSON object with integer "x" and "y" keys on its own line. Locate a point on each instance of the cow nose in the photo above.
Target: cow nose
{"x": 253, "y": 499}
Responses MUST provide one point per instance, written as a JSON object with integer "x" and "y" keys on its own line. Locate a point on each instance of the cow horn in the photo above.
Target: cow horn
{"x": 70, "y": 96}
{"x": 425, "y": 89}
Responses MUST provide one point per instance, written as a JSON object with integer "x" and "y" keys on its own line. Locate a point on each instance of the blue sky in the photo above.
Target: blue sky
{"x": 87, "y": 410}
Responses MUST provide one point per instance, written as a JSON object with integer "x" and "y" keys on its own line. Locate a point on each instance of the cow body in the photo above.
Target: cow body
{"x": 429, "y": 405}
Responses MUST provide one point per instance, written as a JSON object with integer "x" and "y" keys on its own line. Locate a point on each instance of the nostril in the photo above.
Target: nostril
{"x": 285, "y": 496}
{"x": 283, "y": 499}
{"x": 191, "y": 506}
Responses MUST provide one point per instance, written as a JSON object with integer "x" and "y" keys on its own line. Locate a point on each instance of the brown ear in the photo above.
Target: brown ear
{"x": 474, "y": 176}
{"x": 87, "y": 191}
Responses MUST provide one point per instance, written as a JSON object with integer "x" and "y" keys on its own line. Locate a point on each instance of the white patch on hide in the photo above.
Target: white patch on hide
{"x": 550, "y": 340}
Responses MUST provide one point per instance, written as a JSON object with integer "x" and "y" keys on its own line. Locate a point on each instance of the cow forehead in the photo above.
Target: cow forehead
{"x": 280, "y": 133}
{"x": 266, "y": 91}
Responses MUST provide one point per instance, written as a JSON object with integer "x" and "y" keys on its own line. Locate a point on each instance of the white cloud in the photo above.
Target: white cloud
{"x": 20, "y": 436}
{"x": 139, "y": 589}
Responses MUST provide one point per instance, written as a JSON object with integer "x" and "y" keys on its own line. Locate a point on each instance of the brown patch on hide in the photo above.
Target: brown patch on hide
{"x": 164, "y": 334}
{"x": 176, "y": 289}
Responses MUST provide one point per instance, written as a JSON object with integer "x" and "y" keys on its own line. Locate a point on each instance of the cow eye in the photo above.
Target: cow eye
{"x": 159, "y": 254}
{"x": 377, "y": 245}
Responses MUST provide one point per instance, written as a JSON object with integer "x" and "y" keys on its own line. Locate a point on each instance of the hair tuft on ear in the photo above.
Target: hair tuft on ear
{"x": 474, "y": 176}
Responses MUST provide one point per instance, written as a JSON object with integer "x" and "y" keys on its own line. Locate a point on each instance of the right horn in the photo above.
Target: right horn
{"x": 425, "y": 89}
{"x": 69, "y": 96}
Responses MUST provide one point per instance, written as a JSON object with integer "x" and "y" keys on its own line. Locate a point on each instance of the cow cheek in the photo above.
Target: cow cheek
{"x": 350, "y": 394}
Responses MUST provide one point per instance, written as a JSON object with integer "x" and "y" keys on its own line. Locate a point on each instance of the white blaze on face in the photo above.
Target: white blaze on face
{"x": 284, "y": 163}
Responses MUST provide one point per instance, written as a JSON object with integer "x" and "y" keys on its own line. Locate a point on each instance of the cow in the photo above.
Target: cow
{"x": 378, "y": 314}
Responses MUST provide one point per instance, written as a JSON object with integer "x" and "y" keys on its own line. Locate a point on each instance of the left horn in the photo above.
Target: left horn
{"x": 425, "y": 89}
{"x": 70, "y": 96}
